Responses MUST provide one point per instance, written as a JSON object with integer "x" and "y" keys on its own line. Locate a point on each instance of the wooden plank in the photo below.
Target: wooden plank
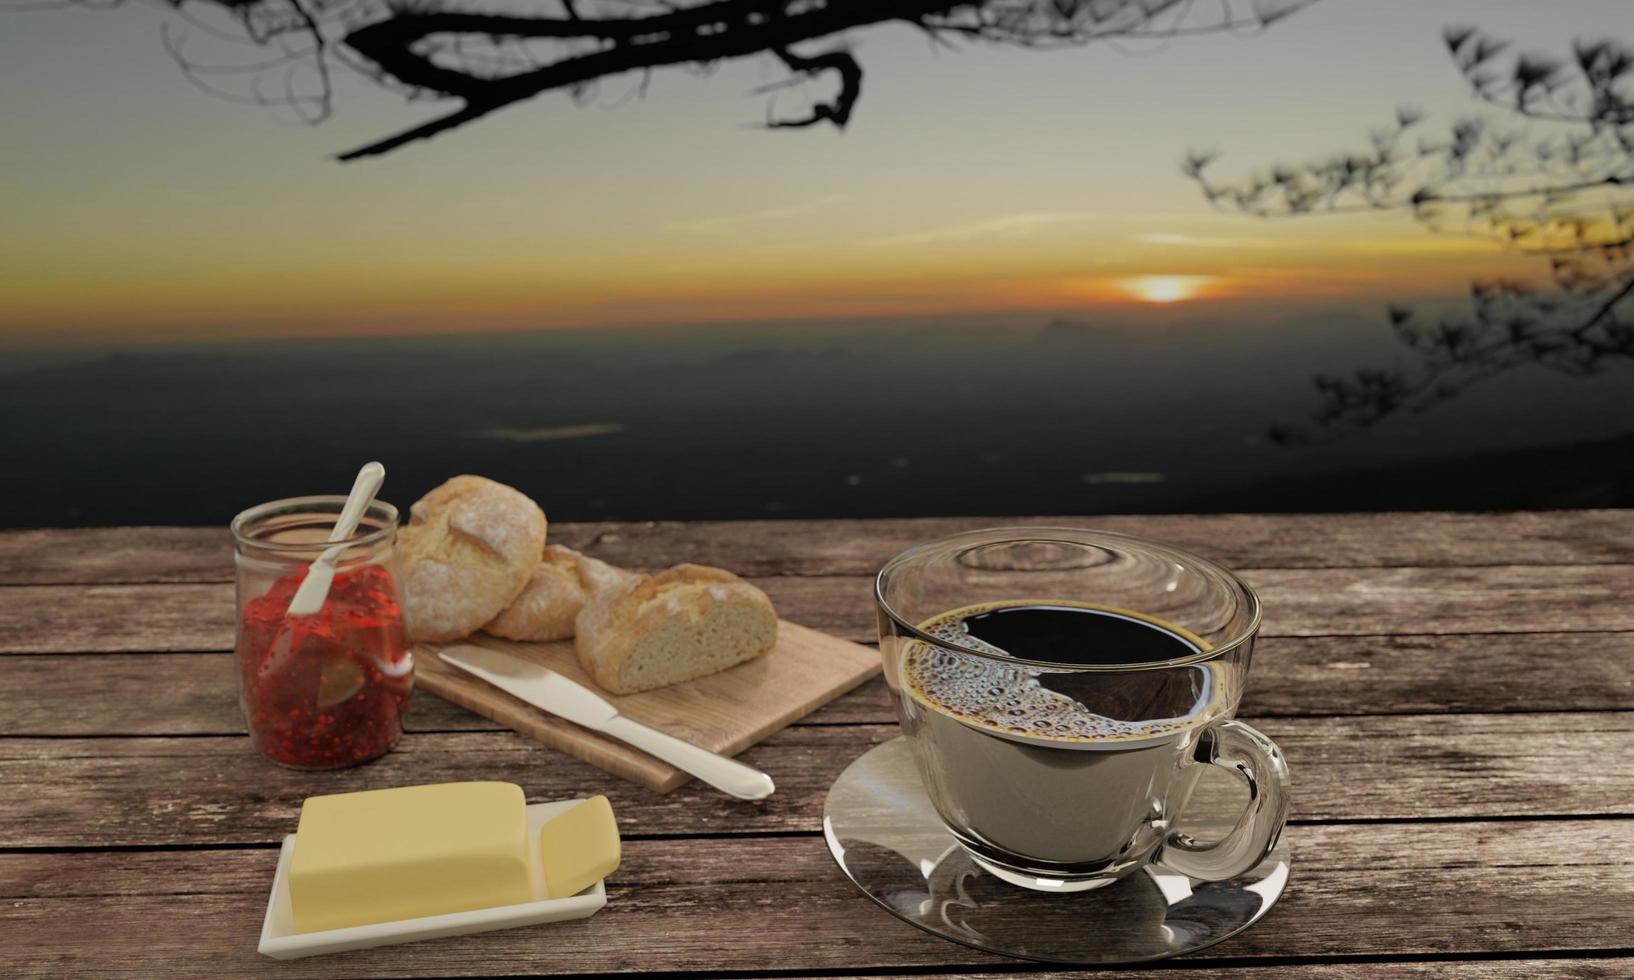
{"x": 725, "y": 712}
{"x": 213, "y": 790}
{"x": 752, "y": 904}
{"x": 155, "y": 694}
{"x": 192, "y": 694}
{"x": 115, "y": 555}
{"x": 859, "y": 547}
{"x": 1369, "y": 675}
{"x": 1518, "y": 672}
{"x": 115, "y": 618}
{"x": 1497, "y": 599}
{"x": 855, "y": 547}
{"x": 1298, "y": 602}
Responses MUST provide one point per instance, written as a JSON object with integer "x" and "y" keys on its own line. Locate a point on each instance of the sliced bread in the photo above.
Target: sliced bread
{"x": 684, "y": 623}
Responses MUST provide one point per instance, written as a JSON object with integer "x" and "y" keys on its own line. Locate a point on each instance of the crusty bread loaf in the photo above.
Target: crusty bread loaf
{"x": 562, "y": 581}
{"x": 687, "y": 622}
{"x": 466, "y": 552}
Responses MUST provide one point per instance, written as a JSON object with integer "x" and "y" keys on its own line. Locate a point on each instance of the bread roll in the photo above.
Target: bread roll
{"x": 561, "y": 583}
{"x": 684, "y": 623}
{"x": 467, "y": 551}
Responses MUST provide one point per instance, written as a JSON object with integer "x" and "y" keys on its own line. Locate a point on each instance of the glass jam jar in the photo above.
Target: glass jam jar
{"x": 328, "y": 690}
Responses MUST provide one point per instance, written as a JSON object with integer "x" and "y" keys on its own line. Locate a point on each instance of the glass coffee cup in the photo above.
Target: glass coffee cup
{"x": 1062, "y": 690}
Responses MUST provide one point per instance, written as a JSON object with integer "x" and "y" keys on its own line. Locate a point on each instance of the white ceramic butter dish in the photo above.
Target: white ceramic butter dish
{"x": 280, "y": 942}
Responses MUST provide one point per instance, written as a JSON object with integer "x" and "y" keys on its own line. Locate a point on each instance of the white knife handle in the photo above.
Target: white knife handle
{"x": 726, "y": 775}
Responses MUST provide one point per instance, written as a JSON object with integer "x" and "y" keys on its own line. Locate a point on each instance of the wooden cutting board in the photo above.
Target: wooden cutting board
{"x": 725, "y": 712}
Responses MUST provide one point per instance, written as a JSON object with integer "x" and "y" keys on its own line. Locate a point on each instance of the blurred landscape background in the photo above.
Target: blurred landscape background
{"x": 1273, "y": 267}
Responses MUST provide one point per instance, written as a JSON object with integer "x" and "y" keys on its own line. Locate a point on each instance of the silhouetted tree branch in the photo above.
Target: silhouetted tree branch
{"x": 1577, "y": 328}
{"x": 838, "y": 112}
{"x": 488, "y": 59}
{"x": 1553, "y": 177}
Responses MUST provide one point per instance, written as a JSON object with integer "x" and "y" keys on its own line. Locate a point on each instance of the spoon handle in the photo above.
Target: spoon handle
{"x": 367, "y": 484}
{"x": 321, "y": 573}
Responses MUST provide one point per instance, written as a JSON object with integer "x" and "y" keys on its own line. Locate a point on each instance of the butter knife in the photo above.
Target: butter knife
{"x": 549, "y": 691}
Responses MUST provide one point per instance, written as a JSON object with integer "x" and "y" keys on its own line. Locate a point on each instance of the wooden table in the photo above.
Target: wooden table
{"x": 1455, "y": 694}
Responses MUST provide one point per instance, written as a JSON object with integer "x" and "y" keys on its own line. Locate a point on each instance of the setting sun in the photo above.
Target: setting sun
{"x": 1165, "y": 289}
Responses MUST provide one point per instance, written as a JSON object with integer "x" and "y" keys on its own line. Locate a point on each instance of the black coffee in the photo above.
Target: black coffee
{"x": 1059, "y": 703}
{"x": 1075, "y": 635}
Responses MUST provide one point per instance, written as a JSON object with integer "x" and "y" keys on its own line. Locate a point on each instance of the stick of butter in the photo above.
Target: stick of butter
{"x": 387, "y": 854}
{"x": 579, "y": 848}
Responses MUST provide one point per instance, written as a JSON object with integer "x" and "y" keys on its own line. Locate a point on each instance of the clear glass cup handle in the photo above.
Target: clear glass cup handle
{"x": 1239, "y": 748}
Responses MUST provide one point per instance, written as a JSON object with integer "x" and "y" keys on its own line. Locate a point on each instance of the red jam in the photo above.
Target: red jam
{"x": 326, "y": 690}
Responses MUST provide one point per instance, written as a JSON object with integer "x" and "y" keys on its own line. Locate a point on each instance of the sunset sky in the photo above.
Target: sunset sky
{"x": 136, "y": 208}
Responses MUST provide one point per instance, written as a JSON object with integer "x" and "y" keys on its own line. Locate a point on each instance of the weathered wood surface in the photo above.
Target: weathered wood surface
{"x": 203, "y": 554}
{"x": 763, "y": 903}
{"x": 192, "y": 694}
{"x": 1455, "y": 693}
{"x": 148, "y": 791}
{"x": 1299, "y": 602}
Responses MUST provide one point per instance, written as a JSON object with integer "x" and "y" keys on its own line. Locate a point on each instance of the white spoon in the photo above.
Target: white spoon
{"x": 309, "y": 598}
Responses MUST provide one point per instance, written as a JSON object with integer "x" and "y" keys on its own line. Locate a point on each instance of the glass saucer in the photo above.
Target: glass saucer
{"x": 885, "y": 835}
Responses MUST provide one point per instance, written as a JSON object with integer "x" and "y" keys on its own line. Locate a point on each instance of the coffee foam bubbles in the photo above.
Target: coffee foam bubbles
{"x": 1009, "y": 697}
